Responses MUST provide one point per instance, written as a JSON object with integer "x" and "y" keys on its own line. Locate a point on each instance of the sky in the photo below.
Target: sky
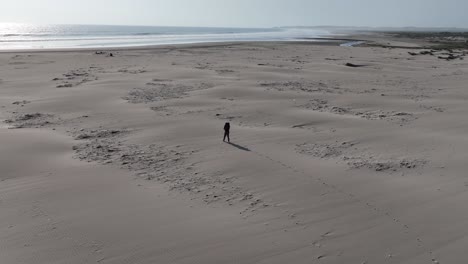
{"x": 239, "y": 13}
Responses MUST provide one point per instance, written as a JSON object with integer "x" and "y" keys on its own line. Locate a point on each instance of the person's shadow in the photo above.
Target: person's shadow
{"x": 239, "y": 147}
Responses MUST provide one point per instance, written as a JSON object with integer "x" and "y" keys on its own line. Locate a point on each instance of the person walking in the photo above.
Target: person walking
{"x": 227, "y": 129}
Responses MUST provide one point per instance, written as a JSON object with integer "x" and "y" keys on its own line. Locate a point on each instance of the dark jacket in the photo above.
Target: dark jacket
{"x": 227, "y": 127}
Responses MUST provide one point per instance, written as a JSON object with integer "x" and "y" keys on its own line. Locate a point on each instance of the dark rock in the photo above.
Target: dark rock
{"x": 354, "y": 65}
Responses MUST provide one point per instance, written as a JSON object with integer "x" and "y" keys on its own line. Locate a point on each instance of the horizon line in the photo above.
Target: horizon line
{"x": 239, "y": 27}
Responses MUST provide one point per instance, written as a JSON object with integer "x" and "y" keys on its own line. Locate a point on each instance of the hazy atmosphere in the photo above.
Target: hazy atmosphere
{"x": 239, "y": 13}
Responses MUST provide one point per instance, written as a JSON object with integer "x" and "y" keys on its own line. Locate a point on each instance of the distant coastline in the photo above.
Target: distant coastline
{"x": 27, "y": 37}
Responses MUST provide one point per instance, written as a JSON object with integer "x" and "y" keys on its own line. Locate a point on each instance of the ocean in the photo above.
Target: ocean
{"x": 27, "y": 36}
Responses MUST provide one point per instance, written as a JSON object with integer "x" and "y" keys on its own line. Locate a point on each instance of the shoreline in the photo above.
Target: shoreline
{"x": 377, "y": 39}
{"x": 120, "y": 37}
{"x": 316, "y": 41}
{"x": 328, "y": 40}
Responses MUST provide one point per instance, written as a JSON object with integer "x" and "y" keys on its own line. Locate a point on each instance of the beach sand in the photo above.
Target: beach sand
{"x": 120, "y": 159}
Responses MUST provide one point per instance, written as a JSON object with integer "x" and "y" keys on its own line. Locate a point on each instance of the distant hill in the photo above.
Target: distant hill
{"x": 385, "y": 29}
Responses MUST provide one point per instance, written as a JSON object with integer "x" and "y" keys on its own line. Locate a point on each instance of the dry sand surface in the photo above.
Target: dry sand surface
{"x": 120, "y": 159}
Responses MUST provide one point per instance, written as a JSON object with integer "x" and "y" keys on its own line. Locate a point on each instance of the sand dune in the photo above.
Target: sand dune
{"x": 120, "y": 159}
